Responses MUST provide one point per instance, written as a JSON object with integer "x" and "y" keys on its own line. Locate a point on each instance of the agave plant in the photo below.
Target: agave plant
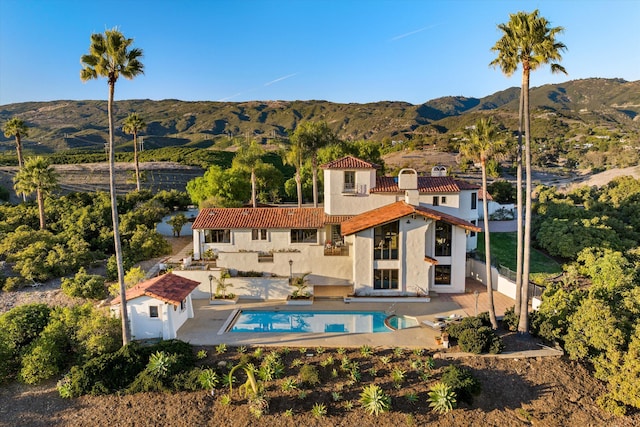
{"x": 442, "y": 398}
{"x": 365, "y": 351}
{"x": 208, "y": 379}
{"x": 289, "y": 384}
{"x": 374, "y": 400}
{"x": 385, "y": 360}
{"x": 319, "y": 410}
{"x": 160, "y": 363}
{"x": 221, "y": 348}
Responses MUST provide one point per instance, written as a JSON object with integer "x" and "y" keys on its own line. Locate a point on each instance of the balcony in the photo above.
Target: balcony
{"x": 336, "y": 249}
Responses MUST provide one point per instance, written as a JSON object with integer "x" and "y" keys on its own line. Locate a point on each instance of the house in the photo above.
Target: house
{"x": 158, "y": 307}
{"x": 375, "y": 235}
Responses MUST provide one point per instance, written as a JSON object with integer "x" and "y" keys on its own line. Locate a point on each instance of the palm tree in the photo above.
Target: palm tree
{"x": 39, "y": 177}
{"x": 111, "y": 56}
{"x": 132, "y": 125}
{"x": 527, "y": 40}
{"x": 249, "y": 156}
{"x": 482, "y": 144}
{"x": 16, "y": 128}
{"x": 294, "y": 156}
{"x": 312, "y": 136}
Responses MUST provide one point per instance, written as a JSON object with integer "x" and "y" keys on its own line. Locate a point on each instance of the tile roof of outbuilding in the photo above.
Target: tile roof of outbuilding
{"x": 349, "y": 162}
{"x": 169, "y": 288}
{"x": 398, "y": 210}
{"x": 218, "y": 218}
{"x": 426, "y": 184}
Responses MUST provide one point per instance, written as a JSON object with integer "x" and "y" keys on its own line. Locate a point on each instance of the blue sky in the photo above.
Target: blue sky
{"x": 341, "y": 51}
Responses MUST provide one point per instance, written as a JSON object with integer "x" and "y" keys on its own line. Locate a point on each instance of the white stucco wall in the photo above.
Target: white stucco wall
{"x": 164, "y": 326}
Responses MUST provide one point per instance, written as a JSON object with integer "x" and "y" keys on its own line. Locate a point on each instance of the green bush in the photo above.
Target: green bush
{"x": 84, "y": 285}
{"x": 308, "y": 375}
{"x": 481, "y": 340}
{"x": 455, "y": 329}
{"x": 12, "y": 284}
{"x": 510, "y": 320}
{"x": 462, "y": 382}
{"x": 23, "y": 324}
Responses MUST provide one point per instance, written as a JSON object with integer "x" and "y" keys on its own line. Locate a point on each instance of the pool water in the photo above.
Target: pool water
{"x": 314, "y": 321}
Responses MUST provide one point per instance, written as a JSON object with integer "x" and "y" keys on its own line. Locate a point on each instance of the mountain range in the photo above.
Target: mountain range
{"x": 576, "y": 107}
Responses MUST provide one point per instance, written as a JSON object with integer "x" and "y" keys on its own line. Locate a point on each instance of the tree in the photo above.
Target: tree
{"x": 176, "y": 222}
{"x": 16, "y": 128}
{"x": 249, "y": 157}
{"x": 39, "y": 177}
{"x": 132, "y": 125}
{"x": 527, "y": 40}
{"x": 294, "y": 156}
{"x": 111, "y": 56}
{"x": 482, "y": 143}
{"x": 311, "y": 136}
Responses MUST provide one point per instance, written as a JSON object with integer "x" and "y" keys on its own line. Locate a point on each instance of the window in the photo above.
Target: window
{"x": 474, "y": 200}
{"x": 259, "y": 234}
{"x": 217, "y": 236}
{"x": 153, "y": 311}
{"x": 443, "y": 275}
{"x": 304, "y": 235}
{"x": 385, "y": 279}
{"x": 474, "y": 222}
{"x": 183, "y": 305}
{"x": 385, "y": 240}
{"x": 443, "y": 200}
{"x": 349, "y": 181}
{"x": 443, "y": 239}
{"x": 435, "y": 201}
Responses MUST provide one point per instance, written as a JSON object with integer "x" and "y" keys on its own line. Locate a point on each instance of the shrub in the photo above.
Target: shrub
{"x": 510, "y": 320}
{"x": 442, "y": 398}
{"x": 308, "y": 375}
{"x": 12, "y": 283}
{"x": 455, "y": 329}
{"x": 374, "y": 400}
{"x": 84, "y": 285}
{"x": 481, "y": 340}
{"x": 23, "y": 324}
{"x": 462, "y": 382}
{"x": 47, "y": 356}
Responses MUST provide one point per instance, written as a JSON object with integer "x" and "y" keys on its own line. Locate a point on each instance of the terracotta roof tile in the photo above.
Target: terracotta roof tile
{"x": 212, "y": 218}
{"x": 169, "y": 288}
{"x": 398, "y": 210}
{"x": 349, "y": 162}
{"x": 336, "y": 219}
{"x": 426, "y": 184}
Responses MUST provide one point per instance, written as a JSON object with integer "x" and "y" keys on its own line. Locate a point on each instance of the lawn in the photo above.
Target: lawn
{"x": 503, "y": 252}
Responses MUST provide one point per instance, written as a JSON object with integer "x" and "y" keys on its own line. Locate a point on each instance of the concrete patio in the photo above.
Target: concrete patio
{"x": 205, "y": 327}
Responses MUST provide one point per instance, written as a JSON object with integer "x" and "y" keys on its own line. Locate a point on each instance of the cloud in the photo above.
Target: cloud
{"x": 401, "y": 36}
{"x": 280, "y": 79}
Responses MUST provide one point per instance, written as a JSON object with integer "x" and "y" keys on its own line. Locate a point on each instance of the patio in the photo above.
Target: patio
{"x": 205, "y": 327}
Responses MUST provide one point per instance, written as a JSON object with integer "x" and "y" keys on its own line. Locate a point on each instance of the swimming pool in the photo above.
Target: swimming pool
{"x": 316, "y": 321}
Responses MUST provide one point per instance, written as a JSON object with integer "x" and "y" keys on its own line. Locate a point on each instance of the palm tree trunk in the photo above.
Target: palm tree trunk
{"x": 519, "y": 208}
{"x": 314, "y": 162}
{"x": 135, "y": 159}
{"x": 40, "y": 198}
{"x": 20, "y": 160}
{"x": 19, "y": 150}
{"x": 299, "y": 187}
{"x": 523, "y": 325}
{"x": 126, "y": 333}
{"x": 253, "y": 188}
{"x": 487, "y": 247}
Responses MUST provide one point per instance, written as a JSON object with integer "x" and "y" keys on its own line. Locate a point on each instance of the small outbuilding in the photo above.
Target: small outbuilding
{"x": 158, "y": 307}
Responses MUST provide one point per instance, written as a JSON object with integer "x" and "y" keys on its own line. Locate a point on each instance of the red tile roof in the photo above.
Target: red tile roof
{"x": 398, "y": 210}
{"x": 426, "y": 184}
{"x": 169, "y": 288}
{"x": 349, "y": 162}
{"x": 212, "y": 218}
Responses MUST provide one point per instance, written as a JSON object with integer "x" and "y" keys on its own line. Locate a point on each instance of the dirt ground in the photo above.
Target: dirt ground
{"x": 550, "y": 391}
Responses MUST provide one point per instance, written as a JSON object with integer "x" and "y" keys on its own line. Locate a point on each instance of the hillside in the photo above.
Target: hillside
{"x": 572, "y": 110}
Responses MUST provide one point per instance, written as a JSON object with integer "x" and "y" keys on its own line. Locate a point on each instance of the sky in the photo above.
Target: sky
{"x": 345, "y": 51}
